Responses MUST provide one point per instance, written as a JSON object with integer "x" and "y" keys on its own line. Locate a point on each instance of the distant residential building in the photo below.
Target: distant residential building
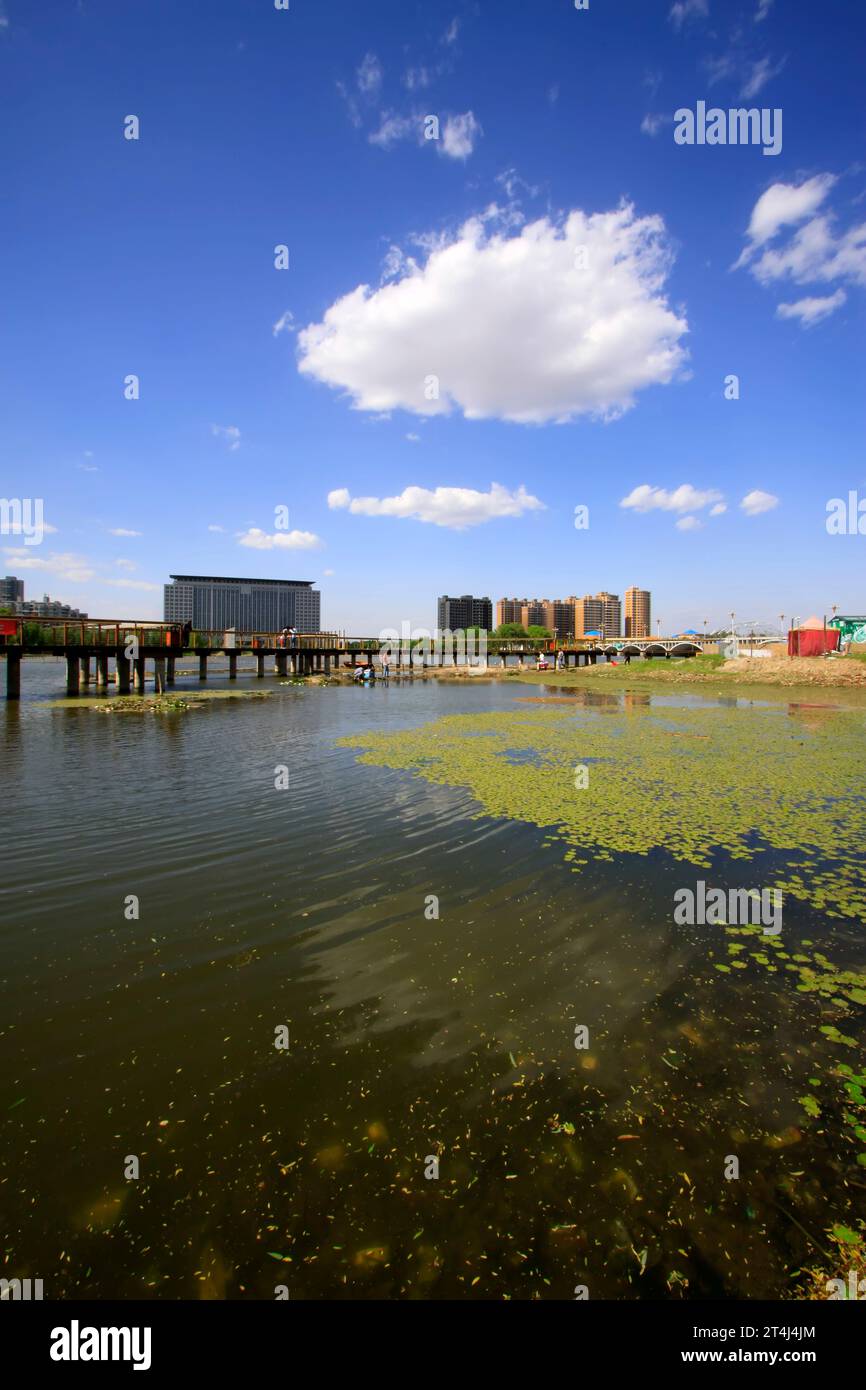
{"x": 638, "y": 613}
{"x": 459, "y": 614}
{"x": 534, "y": 613}
{"x": 598, "y": 613}
{"x": 250, "y": 605}
{"x": 509, "y": 610}
{"x": 46, "y": 608}
{"x": 11, "y": 591}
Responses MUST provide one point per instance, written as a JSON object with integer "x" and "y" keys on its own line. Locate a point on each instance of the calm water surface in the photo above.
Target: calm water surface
{"x": 411, "y": 1036}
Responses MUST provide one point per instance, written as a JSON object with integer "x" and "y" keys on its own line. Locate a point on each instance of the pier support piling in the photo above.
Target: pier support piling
{"x": 202, "y": 666}
{"x": 73, "y": 674}
{"x": 13, "y": 674}
{"x": 280, "y": 663}
{"x": 102, "y": 670}
{"x": 139, "y": 670}
{"x": 233, "y": 666}
{"x": 260, "y": 664}
{"x": 169, "y": 670}
{"x": 121, "y": 673}
{"x": 85, "y": 670}
{"x": 159, "y": 675}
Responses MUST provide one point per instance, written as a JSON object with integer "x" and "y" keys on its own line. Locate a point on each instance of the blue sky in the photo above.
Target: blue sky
{"x": 580, "y": 284}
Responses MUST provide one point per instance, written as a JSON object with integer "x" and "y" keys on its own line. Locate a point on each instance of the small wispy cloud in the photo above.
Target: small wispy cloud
{"x": 229, "y": 433}
{"x": 454, "y": 507}
{"x": 756, "y": 502}
{"x": 812, "y": 309}
{"x": 122, "y": 531}
{"x": 284, "y": 324}
{"x": 758, "y": 75}
{"x": 257, "y": 539}
{"x": 459, "y": 135}
{"x": 683, "y": 499}
{"x": 684, "y": 10}
{"x": 653, "y": 122}
{"x": 369, "y": 76}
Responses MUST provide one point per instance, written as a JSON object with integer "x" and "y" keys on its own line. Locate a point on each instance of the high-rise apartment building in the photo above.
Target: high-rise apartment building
{"x": 598, "y": 613}
{"x": 250, "y": 605}
{"x": 11, "y": 591}
{"x": 638, "y": 615}
{"x": 509, "y": 610}
{"x": 459, "y": 614}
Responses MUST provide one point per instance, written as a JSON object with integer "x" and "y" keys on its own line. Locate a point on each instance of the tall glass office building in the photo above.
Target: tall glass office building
{"x": 250, "y": 605}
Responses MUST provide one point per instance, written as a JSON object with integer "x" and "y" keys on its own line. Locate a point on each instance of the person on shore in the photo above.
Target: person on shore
{"x": 560, "y": 660}
{"x": 386, "y": 665}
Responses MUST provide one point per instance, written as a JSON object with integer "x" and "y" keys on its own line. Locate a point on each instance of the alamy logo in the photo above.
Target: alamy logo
{"x": 76, "y": 1343}
{"x": 20, "y": 1290}
{"x": 23, "y": 516}
{"x": 739, "y": 126}
{"x": 739, "y": 907}
{"x": 846, "y": 518}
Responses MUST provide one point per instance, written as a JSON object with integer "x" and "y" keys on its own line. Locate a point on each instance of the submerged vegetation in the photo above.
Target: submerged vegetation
{"x": 706, "y": 785}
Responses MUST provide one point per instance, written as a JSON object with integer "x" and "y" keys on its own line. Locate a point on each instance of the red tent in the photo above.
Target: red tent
{"x": 813, "y": 638}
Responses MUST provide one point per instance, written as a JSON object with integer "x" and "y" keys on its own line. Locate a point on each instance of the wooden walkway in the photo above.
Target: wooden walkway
{"x": 90, "y": 648}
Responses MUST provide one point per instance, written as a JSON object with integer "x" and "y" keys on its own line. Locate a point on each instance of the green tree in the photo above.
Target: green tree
{"x": 510, "y": 630}
{"x": 535, "y": 631}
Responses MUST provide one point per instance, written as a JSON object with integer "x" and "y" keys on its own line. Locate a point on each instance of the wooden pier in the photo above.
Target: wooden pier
{"x": 113, "y": 651}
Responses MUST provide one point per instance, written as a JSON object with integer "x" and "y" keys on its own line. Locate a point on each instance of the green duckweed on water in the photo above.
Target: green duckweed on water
{"x": 690, "y": 781}
{"x": 697, "y": 782}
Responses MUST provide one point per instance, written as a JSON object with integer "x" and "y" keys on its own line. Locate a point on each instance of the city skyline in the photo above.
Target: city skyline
{"x": 224, "y": 395}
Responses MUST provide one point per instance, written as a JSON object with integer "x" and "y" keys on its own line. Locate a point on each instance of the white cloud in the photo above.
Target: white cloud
{"x": 369, "y": 76}
{"x": 122, "y": 531}
{"x": 284, "y": 324}
{"x": 511, "y": 327}
{"x": 216, "y": 528}
{"x": 394, "y": 127}
{"x": 451, "y": 33}
{"x": 653, "y": 122}
{"x": 683, "y": 499}
{"x": 414, "y": 438}
{"x": 689, "y": 523}
{"x": 813, "y": 254}
{"x": 454, "y": 507}
{"x": 279, "y": 540}
{"x": 459, "y": 136}
{"x": 719, "y": 509}
{"x": 764, "y": 7}
{"x": 754, "y": 503}
{"x": 416, "y": 79}
{"x": 230, "y": 433}
{"x": 758, "y": 75}
{"x": 351, "y": 105}
{"x": 66, "y": 565}
{"x": 553, "y": 93}
{"x": 327, "y": 572}
{"x": 784, "y": 204}
{"x": 132, "y": 584}
{"x": 686, "y": 9}
{"x": 811, "y": 310}
{"x": 126, "y": 564}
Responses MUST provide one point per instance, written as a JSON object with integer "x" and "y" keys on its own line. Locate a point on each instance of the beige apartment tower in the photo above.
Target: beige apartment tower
{"x": 638, "y": 615}
{"x": 598, "y": 613}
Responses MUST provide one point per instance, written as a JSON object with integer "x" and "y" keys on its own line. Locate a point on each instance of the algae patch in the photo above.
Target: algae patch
{"x": 695, "y": 782}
